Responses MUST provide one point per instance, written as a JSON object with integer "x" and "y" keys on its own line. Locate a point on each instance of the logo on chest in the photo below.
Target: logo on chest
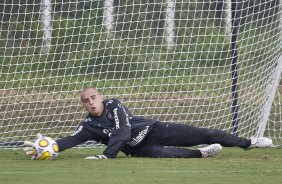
{"x": 109, "y": 115}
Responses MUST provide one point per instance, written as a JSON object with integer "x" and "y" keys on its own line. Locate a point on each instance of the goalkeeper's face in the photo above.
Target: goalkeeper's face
{"x": 92, "y": 101}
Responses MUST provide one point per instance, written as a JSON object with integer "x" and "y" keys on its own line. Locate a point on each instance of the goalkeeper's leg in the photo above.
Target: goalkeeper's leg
{"x": 158, "y": 151}
{"x": 169, "y": 134}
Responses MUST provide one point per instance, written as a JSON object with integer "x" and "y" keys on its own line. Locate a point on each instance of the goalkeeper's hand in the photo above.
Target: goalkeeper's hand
{"x": 97, "y": 157}
{"x": 29, "y": 149}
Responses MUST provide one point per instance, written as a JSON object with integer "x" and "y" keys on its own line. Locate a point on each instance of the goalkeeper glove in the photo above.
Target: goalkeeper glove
{"x": 29, "y": 149}
{"x": 97, "y": 157}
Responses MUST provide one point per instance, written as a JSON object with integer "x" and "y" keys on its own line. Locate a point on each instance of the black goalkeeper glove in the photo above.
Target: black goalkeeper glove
{"x": 97, "y": 157}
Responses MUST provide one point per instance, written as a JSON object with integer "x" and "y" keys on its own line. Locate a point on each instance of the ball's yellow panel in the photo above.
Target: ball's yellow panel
{"x": 45, "y": 156}
{"x": 43, "y": 143}
{"x": 56, "y": 148}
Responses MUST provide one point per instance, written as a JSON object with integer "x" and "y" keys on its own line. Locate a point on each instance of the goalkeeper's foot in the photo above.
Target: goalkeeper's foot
{"x": 210, "y": 150}
{"x": 260, "y": 142}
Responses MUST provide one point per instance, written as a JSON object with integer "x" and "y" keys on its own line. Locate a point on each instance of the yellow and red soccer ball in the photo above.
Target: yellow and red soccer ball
{"x": 45, "y": 148}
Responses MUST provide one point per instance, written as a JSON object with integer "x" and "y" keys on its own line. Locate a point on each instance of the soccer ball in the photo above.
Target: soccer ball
{"x": 45, "y": 148}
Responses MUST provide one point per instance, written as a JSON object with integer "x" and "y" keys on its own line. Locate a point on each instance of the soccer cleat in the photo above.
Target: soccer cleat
{"x": 210, "y": 150}
{"x": 260, "y": 142}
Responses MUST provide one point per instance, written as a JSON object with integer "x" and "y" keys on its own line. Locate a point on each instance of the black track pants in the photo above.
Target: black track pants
{"x": 166, "y": 139}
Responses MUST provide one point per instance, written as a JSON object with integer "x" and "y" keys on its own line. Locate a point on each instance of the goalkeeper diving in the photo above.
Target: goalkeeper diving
{"x": 111, "y": 123}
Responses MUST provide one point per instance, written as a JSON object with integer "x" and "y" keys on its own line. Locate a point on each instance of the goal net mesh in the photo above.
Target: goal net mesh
{"x": 171, "y": 60}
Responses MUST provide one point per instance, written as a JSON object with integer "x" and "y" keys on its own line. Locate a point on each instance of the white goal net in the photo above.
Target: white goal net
{"x": 213, "y": 63}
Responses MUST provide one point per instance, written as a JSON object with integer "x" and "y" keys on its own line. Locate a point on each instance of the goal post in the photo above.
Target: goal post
{"x": 170, "y": 60}
{"x": 271, "y": 95}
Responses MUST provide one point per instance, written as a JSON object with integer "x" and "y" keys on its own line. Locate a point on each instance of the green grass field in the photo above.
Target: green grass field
{"x": 232, "y": 165}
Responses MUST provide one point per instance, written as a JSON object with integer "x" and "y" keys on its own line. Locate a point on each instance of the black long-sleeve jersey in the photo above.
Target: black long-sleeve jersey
{"x": 116, "y": 127}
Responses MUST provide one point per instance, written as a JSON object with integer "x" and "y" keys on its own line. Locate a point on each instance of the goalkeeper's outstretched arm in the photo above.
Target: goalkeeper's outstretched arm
{"x": 65, "y": 143}
{"x": 71, "y": 141}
